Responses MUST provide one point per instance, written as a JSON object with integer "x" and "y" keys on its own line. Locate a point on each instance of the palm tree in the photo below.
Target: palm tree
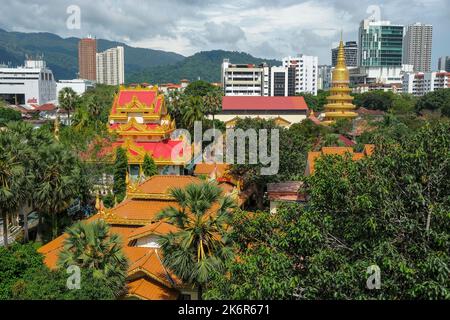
{"x": 11, "y": 171}
{"x": 68, "y": 100}
{"x": 30, "y": 141}
{"x": 193, "y": 111}
{"x": 93, "y": 248}
{"x": 201, "y": 245}
{"x": 57, "y": 174}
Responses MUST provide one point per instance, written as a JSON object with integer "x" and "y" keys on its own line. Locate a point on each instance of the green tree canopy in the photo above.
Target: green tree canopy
{"x": 120, "y": 174}
{"x": 149, "y": 167}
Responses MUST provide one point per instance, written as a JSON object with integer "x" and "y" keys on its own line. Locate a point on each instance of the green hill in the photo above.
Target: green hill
{"x": 61, "y": 54}
{"x": 205, "y": 65}
{"x": 141, "y": 65}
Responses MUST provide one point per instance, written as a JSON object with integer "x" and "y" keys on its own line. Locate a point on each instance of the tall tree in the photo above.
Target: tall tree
{"x": 68, "y": 100}
{"x": 58, "y": 175}
{"x": 194, "y": 111}
{"x": 11, "y": 172}
{"x": 94, "y": 249}
{"x": 120, "y": 174}
{"x": 201, "y": 245}
{"x": 149, "y": 167}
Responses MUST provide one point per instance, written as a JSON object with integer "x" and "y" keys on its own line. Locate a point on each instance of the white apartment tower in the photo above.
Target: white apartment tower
{"x": 418, "y": 44}
{"x": 245, "y": 79}
{"x": 420, "y": 83}
{"x": 306, "y": 72}
{"x": 111, "y": 66}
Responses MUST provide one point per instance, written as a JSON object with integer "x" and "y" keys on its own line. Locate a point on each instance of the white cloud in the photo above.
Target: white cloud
{"x": 266, "y": 28}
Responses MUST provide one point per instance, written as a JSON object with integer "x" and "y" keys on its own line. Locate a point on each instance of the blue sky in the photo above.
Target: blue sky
{"x": 264, "y": 28}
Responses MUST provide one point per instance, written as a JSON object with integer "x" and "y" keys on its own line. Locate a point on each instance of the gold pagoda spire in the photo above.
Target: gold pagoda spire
{"x": 340, "y": 103}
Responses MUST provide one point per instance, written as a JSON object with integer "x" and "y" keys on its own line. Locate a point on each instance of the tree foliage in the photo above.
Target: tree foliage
{"x": 120, "y": 174}
{"x": 149, "y": 167}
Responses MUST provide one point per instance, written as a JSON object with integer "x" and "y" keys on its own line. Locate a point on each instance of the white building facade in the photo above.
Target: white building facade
{"x": 245, "y": 79}
{"x": 419, "y": 84}
{"x": 80, "y": 86}
{"x": 306, "y": 72}
{"x": 32, "y": 83}
{"x": 111, "y": 66}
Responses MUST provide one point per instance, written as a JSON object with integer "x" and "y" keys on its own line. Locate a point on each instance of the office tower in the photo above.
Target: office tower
{"x": 380, "y": 44}
{"x": 87, "y": 50}
{"x": 418, "y": 44}
{"x": 324, "y": 80}
{"x": 351, "y": 54}
{"x": 111, "y": 66}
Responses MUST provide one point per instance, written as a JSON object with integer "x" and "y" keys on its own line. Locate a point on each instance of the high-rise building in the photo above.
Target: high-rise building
{"x": 305, "y": 71}
{"x": 380, "y": 44}
{"x": 351, "y": 54}
{"x": 87, "y": 50}
{"x": 340, "y": 103}
{"x": 282, "y": 82}
{"x": 324, "y": 80}
{"x": 420, "y": 83}
{"x": 444, "y": 64}
{"x": 32, "y": 83}
{"x": 245, "y": 79}
{"x": 111, "y": 66}
{"x": 418, "y": 44}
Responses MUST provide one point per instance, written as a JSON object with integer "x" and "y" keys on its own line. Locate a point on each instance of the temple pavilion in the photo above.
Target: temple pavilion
{"x": 140, "y": 119}
{"x": 135, "y": 220}
{"x": 340, "y": 103}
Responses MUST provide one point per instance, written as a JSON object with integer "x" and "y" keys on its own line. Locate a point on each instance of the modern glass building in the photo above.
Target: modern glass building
{"x": 380, "y": 44}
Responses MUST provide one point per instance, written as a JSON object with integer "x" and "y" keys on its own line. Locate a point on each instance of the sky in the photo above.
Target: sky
{"x": 263, "y": 28}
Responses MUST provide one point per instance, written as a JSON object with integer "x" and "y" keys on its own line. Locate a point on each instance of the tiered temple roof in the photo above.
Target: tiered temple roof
{"x": 135, "y": 220}
{"x": 340, "y": 103}
{"x": 143, "y": 125}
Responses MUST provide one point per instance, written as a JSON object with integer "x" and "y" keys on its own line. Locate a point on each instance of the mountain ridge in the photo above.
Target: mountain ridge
{"x": 141, "y": 64}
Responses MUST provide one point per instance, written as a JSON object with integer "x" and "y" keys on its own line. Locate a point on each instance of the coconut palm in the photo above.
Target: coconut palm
{"x": 93, "y": 248}
{"x": 58, "y": 175}
{"x": 68, "y": 100}
{"x": 193, "y": 111}
{"x": 201, "y": 245}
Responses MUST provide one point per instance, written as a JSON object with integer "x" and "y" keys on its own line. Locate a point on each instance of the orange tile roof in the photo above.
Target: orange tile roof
{"x": 208, "y": 169}
{"x": 163, "y": 184}
{"x": 137, "y": 212}
{"x": 340, "y": 151}
{"x": 146, "y": 289}
{"x": 148, "y": 261}
{"x": 158, "y": 228}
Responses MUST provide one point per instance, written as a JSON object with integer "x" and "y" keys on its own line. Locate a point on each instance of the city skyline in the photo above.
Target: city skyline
{"x": 267, "y": 29}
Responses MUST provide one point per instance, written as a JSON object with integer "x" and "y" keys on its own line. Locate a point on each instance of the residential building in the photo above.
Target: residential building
{"x": 80, "y": 86}
{"x": 379, "y": 75}
{"x": 324, "y": 79}
{"x": 285, "y": 192}
{"x": 363, "y": 88}
{"x": 444, "y": 64}
{"x": 340, "y": 103}
{"x": 245, "y": 79}
{"x": 284, "y": 110}
{"x": 110, "y": 68}
{"x": 32, "y": 83}
{"x": 87, "y": 50}
{"x": 418, "y": 44}
{"x": 351, "y": 54}
{"x": 420, "y": 83}
{"x": 380, "y": 44}
{"x": 305, "y": 71}
{"x": 167, "y": 88}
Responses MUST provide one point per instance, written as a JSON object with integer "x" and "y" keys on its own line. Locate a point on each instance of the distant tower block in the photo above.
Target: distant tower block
{"x": 340, "y": 103}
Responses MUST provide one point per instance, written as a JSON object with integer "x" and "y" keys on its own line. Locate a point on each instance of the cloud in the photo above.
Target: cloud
{"x": 265, "y": 28}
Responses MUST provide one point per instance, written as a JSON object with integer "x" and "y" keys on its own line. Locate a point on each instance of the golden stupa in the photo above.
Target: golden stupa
{"x": 340, "y": 103}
